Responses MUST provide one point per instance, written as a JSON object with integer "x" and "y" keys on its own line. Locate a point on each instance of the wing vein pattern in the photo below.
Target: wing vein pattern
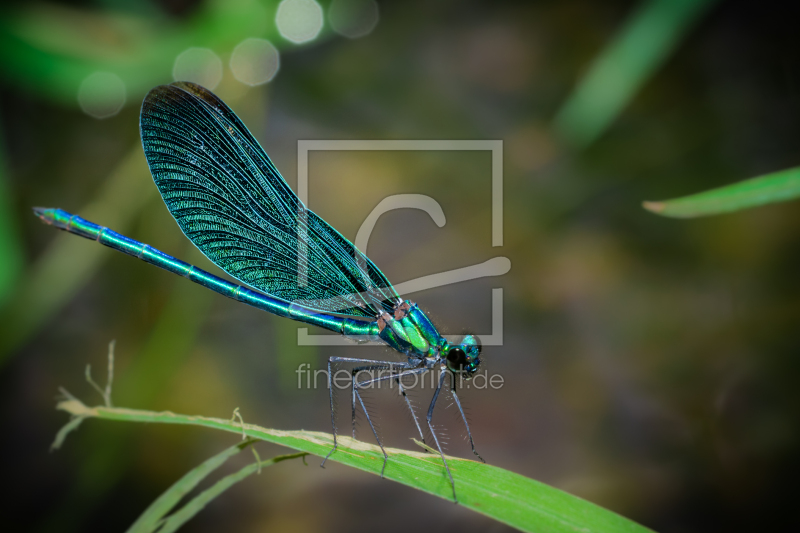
{"x": 232, "y": 203}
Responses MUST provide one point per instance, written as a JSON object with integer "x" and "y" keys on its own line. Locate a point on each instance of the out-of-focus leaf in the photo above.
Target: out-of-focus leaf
{"x": 505, "y": 496}
{"x": 151, "y": 517}
{"x": 10, "y": 248}
{"x": 776, "y": 187}
{"x": 50, "y": 49}
{"x": 198, "y": 503}
{"x": 159, "y": 359}
{"x": 60, "y": 272}
{"x": 636, "y": 52}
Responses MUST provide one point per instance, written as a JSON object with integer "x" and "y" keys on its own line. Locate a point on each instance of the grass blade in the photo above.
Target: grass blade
{"x": 62, "y": 434}
{"x": 149, "y": 520}
{"x": 161, "y": 356}
{"x": 10, "y": 242}
{"x": 60, "y": 272}
{"x": 198, "y": 503}
{"x": 653, "y": 31}
{"x": 505, "y": 496}
{"x": 776, "y": 187}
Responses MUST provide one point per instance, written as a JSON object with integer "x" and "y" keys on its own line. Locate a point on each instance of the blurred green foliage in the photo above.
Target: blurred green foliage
{"x": 639, "y": 49}
{"x": 10, "y": 245}
{"x": 49, "y": 49}
{"x": 59, "y": 272}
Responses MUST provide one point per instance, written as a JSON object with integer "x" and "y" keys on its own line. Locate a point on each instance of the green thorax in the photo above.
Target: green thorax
{"x": 410, "y": 331}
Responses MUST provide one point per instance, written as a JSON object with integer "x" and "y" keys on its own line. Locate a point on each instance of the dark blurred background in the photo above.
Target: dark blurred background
{"x": 650, "y": 364}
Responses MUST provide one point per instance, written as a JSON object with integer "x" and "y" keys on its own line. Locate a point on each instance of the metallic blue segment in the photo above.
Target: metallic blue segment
{"x": 262, "y": 301}
{"x": 56, "y": 217}
{"x": 78, "y": 226}
{"x": 114, "y": 240}
{"x": 309, "y": 316}
{"x": 48, "y": 215}
{"x": 167, "y": 262}
{"x": 61, "y": 218}
{"x": 67, "y": 221}
{"x": 84, "y": 228}
{"x": 215, "y": 283}
{"x": 424, "y": 325}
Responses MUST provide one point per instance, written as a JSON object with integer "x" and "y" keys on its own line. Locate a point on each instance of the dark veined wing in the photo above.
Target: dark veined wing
{"x": 233, "y": 204}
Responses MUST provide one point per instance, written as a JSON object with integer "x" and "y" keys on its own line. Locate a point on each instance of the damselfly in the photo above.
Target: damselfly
{"x": 233, "y": 204}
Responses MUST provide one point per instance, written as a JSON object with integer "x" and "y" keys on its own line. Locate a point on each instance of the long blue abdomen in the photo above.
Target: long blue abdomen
{"x": 357, "y": 329}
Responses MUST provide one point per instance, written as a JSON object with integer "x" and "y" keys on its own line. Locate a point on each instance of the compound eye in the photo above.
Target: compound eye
{"x": 457, "y": 358}
{"x": 474, "y": 351}
{"x": 472, "y": 346}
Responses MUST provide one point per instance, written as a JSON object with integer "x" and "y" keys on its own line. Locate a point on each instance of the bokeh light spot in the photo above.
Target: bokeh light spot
{"x": 198, "y": 65}
{"x": 353, "y": 18}
{"x": 299, "y": 20}
{"x": 255, "y": 61}
{"x": 101, "y": 94}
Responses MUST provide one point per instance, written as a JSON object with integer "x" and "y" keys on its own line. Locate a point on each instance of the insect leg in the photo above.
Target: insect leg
{"x": 353, "y": 374}
{"x": 374, "y": 432}
{"x": 330, "y": 392}
{"x": 410, "y": 407}
{"x": 361, "y": 384}
{"x": 435, "y": 438}
{"x": 463, "y": 416}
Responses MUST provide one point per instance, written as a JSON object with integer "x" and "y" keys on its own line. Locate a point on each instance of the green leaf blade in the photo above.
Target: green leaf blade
{"x": 779, "y": 186}
{"x": 198, "y": 503}
{"x": 505, "y": 496}
{"x": 148, "y": 521}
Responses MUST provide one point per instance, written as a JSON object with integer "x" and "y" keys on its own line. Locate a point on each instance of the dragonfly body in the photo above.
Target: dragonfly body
{"x": 232, "y": 203}
{"x": 358, "y": 330}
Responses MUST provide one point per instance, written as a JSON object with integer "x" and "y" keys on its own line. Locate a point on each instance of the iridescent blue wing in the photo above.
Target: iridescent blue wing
{"x": 233, "y": 204}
